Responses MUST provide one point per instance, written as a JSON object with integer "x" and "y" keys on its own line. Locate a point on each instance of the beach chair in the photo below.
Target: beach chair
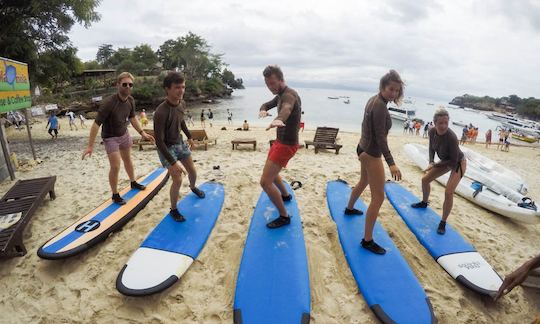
{"x": 17, "y": 207}
{"x": 325, "y": 138}
{"x": 200, "y": 137}
{"x": 142, "y": 142}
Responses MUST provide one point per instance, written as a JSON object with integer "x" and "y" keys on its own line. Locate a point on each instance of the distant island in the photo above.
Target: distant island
{"x": 527, "y": 107}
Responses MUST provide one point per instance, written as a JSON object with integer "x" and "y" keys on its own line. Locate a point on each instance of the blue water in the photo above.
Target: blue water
{"x": 321, "y": 111}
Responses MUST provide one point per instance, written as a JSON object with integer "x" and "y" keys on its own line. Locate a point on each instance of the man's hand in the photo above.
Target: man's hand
{"x": 396, "y": 173}
{"x": 263, "y": 113}
{"x": 88, "y": 152}
{"x": 176, "y": 169}
{"x": 191, "y": 143}
{"x": 276, "y": 123}
{"x": 512, "y": 280}
{"x": 147, "y": 137}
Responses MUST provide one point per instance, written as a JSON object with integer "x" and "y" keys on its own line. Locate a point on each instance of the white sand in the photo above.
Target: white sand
{"x": 82, "y": 288}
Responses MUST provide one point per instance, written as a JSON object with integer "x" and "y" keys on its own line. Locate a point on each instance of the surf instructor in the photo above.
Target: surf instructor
{"x": 114, "y": 114}
{"x": 173, "y": 152}
{"x": 374, "y": 144}
{"x": 287, "y": 124}
{"x": 444, "y": 142}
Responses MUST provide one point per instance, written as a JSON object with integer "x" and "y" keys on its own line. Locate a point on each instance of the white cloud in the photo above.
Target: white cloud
{"x": 441, "y": 48}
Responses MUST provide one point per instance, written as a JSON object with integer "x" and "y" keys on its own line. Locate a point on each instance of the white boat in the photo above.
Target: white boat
{"x": 521, "y": 128}
{"x": 495, "y": 171}
{"x": 400, "y": 113}
{"x": 475, "y": 192}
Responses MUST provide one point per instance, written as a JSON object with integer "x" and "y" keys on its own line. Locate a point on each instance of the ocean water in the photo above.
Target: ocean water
{"x": 321, "y": 111}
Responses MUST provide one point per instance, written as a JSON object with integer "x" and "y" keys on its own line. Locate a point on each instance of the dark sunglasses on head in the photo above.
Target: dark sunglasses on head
{"x": 125, "y": 85}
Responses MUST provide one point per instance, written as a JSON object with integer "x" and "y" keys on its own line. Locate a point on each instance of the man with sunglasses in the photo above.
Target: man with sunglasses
{"x": 114, "y": 114}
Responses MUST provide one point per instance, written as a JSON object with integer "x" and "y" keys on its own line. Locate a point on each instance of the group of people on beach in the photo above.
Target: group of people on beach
{"x": 174, "y": 152}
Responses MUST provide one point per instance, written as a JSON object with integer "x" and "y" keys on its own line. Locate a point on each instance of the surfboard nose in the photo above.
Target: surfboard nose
{"x": 150, "y": 270}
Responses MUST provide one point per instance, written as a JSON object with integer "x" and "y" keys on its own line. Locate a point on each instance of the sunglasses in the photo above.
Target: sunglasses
{"x": 125, "y": 85}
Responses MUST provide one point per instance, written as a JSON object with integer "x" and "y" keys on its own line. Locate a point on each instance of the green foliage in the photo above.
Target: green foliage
{"x": 147, "y": 89}
{"x": 145, "y": 55}
{"x": 213, "y": 86}
{"x": 228, "y": 78}
{"x": 104, "y": 54}
{"x": 32, "y": 31}
{"x": 57, "y": 66}
{"x": 529, "y": 107}
{"x": 92, "y": 65}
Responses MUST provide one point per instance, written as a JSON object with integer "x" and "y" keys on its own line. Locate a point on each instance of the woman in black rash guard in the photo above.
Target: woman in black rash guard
{"x": 444, "y": 142}
{"x": 373, "y": 144}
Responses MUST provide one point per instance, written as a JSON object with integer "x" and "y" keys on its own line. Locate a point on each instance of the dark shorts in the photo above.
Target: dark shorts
{"x": 114, "y": 144}
{"x": 281, "y": 153}
{"x": 179, "y": 151}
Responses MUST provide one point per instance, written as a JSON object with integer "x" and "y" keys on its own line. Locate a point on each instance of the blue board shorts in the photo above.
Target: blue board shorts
{"x": 179, "y": 151}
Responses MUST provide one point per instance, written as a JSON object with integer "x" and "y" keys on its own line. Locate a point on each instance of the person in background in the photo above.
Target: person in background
{"x": 210, "y": 116}
{"x": 54, "y": 126}
{"x": 229, "y": 117}
{"x": 405, "y": 126}
{"x": 426, "y": 128}
{"x": 245, "y": 126}
{"x": 203, "y": 125}
{"x": 412, "y": 124}
{"x": 190, "y": 118}
{"x": 464, "y": 134}
{"x": 83, "y": 120}
{"x": 143, "y": 118}
{"x": 500, "y": 144}
{"x": 302, "y": 124}
{"x": 71, "y": 116}
{"x": 488, "y": 138}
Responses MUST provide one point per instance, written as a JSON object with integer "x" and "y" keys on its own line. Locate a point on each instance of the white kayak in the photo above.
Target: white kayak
{"x": 469, "y": 188}
{"x": 495, "y": 171}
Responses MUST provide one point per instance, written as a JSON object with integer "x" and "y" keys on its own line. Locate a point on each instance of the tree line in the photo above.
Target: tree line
{"x": 528, "y": 107}
{"x": 36, "y": 32}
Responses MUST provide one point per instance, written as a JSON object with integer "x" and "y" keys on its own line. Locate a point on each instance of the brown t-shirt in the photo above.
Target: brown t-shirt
{"x": 114, "y": 114}
{"x": 168, "y": 120}
{"x": 375, "y": 127}
{"x": 447, "y": 148}
{"x": 289, "y": 107}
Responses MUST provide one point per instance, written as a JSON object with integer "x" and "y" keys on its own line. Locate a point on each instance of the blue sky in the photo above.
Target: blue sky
{"x": 441, "y": 48}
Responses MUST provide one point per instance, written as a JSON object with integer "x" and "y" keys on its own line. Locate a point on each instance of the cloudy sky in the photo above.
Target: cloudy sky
{"x": 441, "y": 48}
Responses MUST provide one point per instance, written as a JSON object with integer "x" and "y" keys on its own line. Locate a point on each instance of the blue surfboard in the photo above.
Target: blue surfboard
{"x": 387, "y": 283}
{"x": 168, "y": 251}
{"x": 273, "y": 280}
{"x": 96, "y": 226}
{"x": 457, "y": 256}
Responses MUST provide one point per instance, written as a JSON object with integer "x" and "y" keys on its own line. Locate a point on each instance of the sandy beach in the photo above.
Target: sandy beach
{"x": 82, "y": 288}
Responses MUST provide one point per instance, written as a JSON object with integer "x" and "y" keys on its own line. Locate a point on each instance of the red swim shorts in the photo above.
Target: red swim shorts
{"x": 281, "y": 153}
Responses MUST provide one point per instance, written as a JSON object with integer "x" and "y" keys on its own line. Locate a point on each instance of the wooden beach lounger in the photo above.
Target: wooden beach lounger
{"x": 325, "y": 138}
{"x": 17, "y": 207}
{"x": 142, "y": 142}
{"x": 200, "y": 137}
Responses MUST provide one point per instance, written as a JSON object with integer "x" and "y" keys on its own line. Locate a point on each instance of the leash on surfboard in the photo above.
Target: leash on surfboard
{"x": 296, "y": 185}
